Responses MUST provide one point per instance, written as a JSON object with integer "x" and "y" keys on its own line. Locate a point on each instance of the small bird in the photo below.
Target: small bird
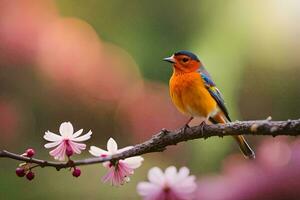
{"x": 194, "y": 94}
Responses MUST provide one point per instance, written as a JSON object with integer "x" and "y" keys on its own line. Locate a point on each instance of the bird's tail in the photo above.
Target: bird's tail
{"x": 244, "y": 146}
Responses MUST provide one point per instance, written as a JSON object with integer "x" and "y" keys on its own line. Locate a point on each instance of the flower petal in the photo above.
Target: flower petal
{"x": 109, "y": 176}
{"x": 77, "y": 133}
{"x": 52, "y": 144}
{"x": 183, "y": 173}
{"x": 186, "y": 186}
{"x": 148, "y": 189}
{"x": 134, "y": 162}
{"x": 112, "y": 146}
{"x": 66, "y": 129}
{"x": 119, "y": 174}
{"x": 107, "y": 165}
{"x": 52, "y": 137}
{"x": 156, "y": 176}
{"x": 171, "y": 174}
{"x": 96, "y": 151}
{"x": 83, "y": 137}
{"x": 59, "y": 152}
{"x": 124, "y": 149}
{"x": 77, "y": 147}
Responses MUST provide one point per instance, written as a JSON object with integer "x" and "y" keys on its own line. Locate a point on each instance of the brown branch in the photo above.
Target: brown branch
{"x": 165, "y": 138}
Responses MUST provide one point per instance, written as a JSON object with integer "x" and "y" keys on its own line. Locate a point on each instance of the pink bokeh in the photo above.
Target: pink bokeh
{"x": 20, "y": 25}
{"x": 70, "y": 58}
{"x": 9, "y": 119}
{"x": 274, "y": 175}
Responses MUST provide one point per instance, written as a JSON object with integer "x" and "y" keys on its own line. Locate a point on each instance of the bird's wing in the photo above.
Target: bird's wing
{"x": 214, "y": 91}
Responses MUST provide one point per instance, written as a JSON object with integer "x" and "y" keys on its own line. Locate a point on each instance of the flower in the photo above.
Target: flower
{"x": 273, "y": 175}
{"x": 118, "y": 172}
{"x": 168, "y": 185}
{"x": 67, "y": 142}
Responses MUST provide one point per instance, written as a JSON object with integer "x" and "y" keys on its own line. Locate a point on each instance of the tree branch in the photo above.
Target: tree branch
{"x": 165, "y": 138}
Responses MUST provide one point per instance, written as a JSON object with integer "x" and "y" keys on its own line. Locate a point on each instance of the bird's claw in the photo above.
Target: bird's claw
{"x": 185, "y": 127}
{"x": 201, "y": 125}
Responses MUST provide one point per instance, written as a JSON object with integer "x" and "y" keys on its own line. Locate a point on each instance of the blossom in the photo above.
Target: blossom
{"x": 67, "y": 142}
{"x": 169, "y": 185}
{"x": 273, "y": 175}
{"x": 119, "y": 171}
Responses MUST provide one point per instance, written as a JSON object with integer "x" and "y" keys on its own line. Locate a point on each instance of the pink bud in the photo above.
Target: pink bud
{"x": 69, "y": 151}
{"x": 20, "y": 172}
{"x": 76, "y": 172}
{"x": 30, "y": 153}
{"x": 30, "y": 175}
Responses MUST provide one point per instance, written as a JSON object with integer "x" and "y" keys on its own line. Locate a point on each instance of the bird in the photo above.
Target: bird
{"x": 194, "y": 93}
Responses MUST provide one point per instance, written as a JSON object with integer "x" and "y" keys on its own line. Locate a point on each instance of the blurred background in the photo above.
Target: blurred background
{"x": 98, "y": 64}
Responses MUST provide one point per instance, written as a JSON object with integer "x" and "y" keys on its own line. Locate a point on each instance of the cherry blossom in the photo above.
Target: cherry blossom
{"x": 67, "y": 142}
{"x": 119, "y": 171}
{"x": 168, "y": 185}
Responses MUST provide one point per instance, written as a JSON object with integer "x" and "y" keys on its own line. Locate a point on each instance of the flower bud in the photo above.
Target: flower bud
{"x": 20, "y": 172}
{"x": 30, "y": 175}
{"x": 30, "y": 153}
{"x": 76, "y": 172}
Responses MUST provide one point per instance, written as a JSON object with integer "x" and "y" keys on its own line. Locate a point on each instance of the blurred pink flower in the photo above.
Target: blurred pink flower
{"x": 120, "y": 171}
{"x": 273, "y": 175}
{"x": 66, "y": 142}
{"x": 9, "y": 121}
{"x": 71, "y": 47}
{"x": 169, "y": 185}
{"x": 21, "y": 23}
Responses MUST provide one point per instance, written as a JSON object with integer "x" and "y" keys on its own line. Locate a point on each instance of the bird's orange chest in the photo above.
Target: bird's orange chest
{"x": 189, "y": 94}
{"x": 182, "y": 84}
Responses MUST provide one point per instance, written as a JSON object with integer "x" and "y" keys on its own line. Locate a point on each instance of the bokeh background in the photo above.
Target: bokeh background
{"x": 98, "y": 64}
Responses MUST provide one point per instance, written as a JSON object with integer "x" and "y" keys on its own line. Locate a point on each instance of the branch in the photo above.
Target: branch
{"x": 165, "y": 138}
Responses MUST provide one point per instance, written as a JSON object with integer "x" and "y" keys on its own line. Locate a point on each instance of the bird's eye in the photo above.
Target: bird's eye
{"x": 185, "y": 59}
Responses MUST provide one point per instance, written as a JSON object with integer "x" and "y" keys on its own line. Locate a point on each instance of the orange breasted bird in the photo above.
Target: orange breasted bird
{"x": 194, "y": 94}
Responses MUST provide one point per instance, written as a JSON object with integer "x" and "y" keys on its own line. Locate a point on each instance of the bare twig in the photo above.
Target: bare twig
{"x": 165, "y": 138}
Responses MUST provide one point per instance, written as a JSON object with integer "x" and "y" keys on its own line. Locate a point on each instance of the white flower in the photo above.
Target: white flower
{"x": 168, "y": 185}
{"x": 118, "y": 172}
{"x": 67, "y": 142}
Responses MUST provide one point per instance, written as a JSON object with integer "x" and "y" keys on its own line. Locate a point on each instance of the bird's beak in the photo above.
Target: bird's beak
{"x": 170, "y": 59}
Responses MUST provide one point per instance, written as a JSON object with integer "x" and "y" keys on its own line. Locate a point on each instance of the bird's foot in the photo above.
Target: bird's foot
{"x": 185, "y": 127}
{"x": 201, "y": 125}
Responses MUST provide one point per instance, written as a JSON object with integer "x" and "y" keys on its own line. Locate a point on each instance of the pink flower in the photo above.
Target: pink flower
{"x": 67, "y": 142}
{"x": 119, "y": 172}
{"x": 273, "y": 175}
{"x": 169, "y": 185}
